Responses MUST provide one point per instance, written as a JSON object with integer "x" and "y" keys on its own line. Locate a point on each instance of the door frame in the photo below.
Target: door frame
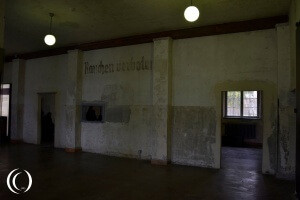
{"x": 7, "y": 138}
{"x": 39, "y": 122}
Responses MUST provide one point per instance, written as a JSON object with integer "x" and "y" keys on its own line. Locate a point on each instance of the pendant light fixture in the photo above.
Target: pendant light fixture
{"x": 49, "y": 38}
{"x": 191, "y": 13}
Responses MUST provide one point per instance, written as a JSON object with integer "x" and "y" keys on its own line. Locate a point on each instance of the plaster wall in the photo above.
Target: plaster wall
{"x": 294, "y": 16}
{"x": 44, "y": 75}
{"x": 73, "y": 99}
{"x": 124, "y": 84}
{"x": 7, "y": 73}
{"x": 162, "y": 98}
{"x": 17, "y": 100}
{"x": 202, "y": 68}
{"x": 287, "y": 103}
{"x": 2, "y": 23}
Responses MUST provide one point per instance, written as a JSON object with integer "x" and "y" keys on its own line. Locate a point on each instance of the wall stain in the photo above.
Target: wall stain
{"x": 118, "y": 114}
{"x": 272, "y": 140}
{"x": 193, "y": 134}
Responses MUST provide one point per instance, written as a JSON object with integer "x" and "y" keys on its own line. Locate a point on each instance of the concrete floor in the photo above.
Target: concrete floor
{"x": 60, "y": 175}
{"x": 248, "y": 159}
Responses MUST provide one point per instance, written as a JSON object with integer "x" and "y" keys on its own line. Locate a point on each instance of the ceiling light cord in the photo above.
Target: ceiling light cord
{"x": 51, "y": 26}
{"x": 51, "y": 16}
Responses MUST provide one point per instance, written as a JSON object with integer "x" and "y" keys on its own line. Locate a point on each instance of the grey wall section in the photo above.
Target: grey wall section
{"x": 2, "y": 23}
{"x": 194, "y": 132}
{"x": 162, "y": 99}
{"x": 1, "y": 62}
{"x": 122, "y": 139}
{"x": 42, "y": 76}
{"x": 7, "y": 73}
{"x": 202, "y": 69}
{"x": 295, "y": 17}
{"x": 73, "y": 99}
{"x": 17, "y": 99}
{"x": 287, "y": 103}
{"x": 124, "y": 84}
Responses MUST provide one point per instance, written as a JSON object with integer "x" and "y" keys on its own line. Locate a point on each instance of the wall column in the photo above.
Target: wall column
{"x": 298, "y": 109}
{"x": 1, "y": 43}
{"x": 287, "y": 103}
{"x": 162, "y": 99}
{"x": 73, "y": 100}
{"x": 17, "y": 100}
{"x": 2, "y": 10}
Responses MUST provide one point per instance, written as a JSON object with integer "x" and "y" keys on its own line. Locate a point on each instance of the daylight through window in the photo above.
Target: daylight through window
{"x": 240, "y": 104}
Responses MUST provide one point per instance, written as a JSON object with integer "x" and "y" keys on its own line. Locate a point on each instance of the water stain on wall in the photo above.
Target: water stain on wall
{"x": 113, "y": 95}
{"x": 118, "y": 114}
{"x": 117, "y": 95}
{"x": 194, "y": 133}
{"x": 272, "y": 140}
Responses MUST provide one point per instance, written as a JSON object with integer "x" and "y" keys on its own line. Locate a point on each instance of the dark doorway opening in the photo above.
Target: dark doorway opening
{"x": 241, "y": 158}
{"x": 241, "y": 147}
{"x": 47, "y": 118}
{"x": 241, "y": 129}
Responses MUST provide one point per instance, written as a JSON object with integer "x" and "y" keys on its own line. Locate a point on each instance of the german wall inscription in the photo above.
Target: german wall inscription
{"x": 120, "y": 66}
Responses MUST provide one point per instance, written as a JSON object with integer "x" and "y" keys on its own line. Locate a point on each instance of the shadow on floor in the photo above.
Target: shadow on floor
{"x": 60, "y": 175}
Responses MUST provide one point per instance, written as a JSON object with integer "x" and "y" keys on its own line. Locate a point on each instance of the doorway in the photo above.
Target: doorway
{"x": 46, "y": 118}
{"x": 241, "y": 131}
{"x": 5, "y": 106}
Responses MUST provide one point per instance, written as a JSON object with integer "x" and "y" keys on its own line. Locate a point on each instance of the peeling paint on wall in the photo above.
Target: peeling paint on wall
{"x": 272, "y": 146}
{"x": 194, "y": 133}
{"x": 286, "y": 154}
{"x": 117, "y": 94}
{"x": 122, "y": 139}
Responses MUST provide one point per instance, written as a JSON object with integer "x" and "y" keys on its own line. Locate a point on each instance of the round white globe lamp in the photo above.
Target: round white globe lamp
{"x": 191, "y": 13}
{"x": 50, "y": 39}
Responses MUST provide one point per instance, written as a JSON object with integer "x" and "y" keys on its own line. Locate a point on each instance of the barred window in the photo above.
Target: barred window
{"x": 233, "y": 103}
{"x": 250, "y": 104}
{"x": 93, "y": 112}
{"x": 241, "y": 104}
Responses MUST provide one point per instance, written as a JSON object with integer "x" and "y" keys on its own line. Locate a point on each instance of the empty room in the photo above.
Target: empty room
{"x": 152, "y": 99}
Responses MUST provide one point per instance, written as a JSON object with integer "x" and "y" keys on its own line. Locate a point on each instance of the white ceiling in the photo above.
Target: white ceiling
{"x": 80, "y": 21}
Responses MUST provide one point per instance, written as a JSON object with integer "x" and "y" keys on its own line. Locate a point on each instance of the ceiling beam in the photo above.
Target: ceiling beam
{"x": 232, "y": 27}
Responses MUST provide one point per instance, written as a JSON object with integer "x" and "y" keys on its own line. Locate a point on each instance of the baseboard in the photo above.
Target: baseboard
{"x": 287, "y": 176}
{"x": 73, "y": 150}
{"x": 16, "y": 141}
{"x": 253, "y": 145}
{"x": 159, "y": 162}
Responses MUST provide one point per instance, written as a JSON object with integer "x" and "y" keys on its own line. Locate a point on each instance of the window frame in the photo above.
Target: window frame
{"x": 259, "y": 110}
{"x": 100, "y": 104}
{"x": 9, "y": 93}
